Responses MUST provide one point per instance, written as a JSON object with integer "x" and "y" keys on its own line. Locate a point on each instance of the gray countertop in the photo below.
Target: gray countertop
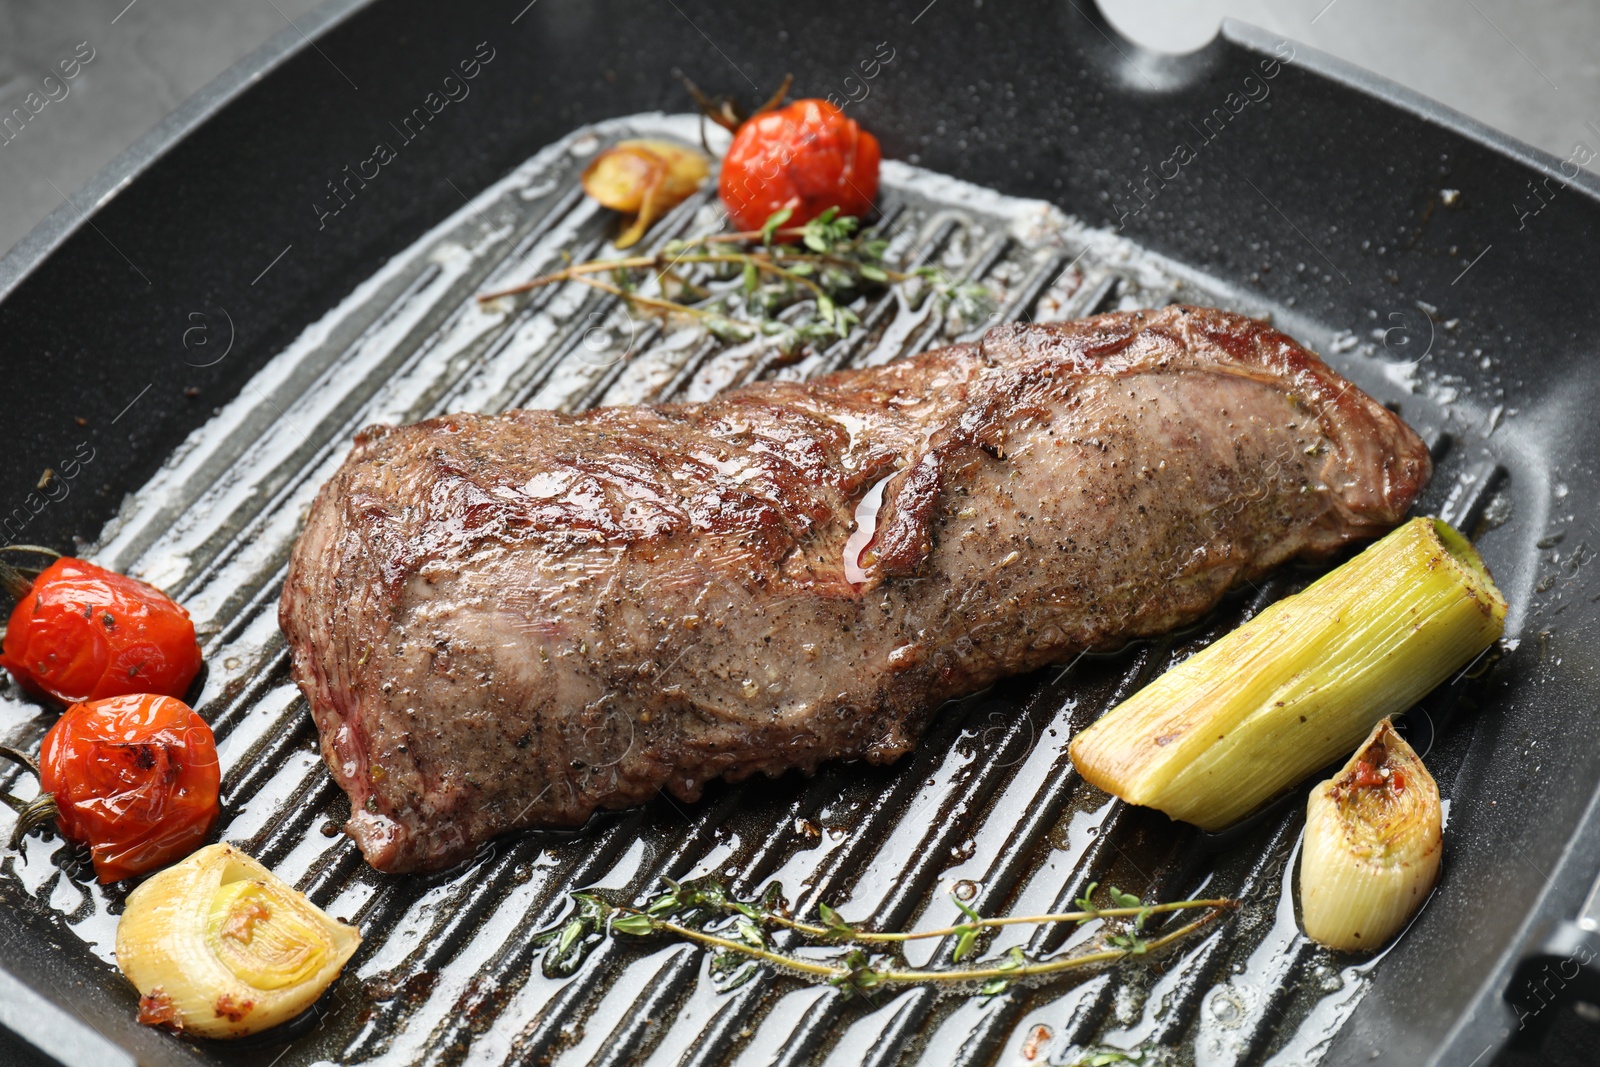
{"x": 134, "y": 64}
{"x": 1529, "y": 68}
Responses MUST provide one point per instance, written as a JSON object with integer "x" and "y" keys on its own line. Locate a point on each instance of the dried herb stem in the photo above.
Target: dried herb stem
{"x": 1007, "y": 971}
{"x": 1066, "y": 963}
{"x": 771, "y": 263}
{"x": 831, "y": 262}
{"x": 814, "y": 930}
{"x": 793, "y": 963}
{"x": 670, "y": 306}
{"x": 694, "y": 911}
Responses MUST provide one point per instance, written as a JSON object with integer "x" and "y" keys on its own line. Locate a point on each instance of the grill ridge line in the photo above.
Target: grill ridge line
{"x": 1007, "y": 873}
{"x": 595, "y": 301}
{"x": 675, "y": 859}
{"x": 1155, "y": 656}
{"x": 417, "y": 349}
{"x": 265, "y": 595}
{"x": 708, "y": 1048}
{"x": 285, "y": 737}
{"x": 887, "y": 806}
{"x": 316, "y": 452}
{"x": 823, "y": 1019}
{"x": 610, "y": 844}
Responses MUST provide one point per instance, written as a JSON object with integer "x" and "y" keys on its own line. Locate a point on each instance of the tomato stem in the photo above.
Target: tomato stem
{"x": 36, "y": 814}
{"x": 18, "y": 756}
{"x": 776, "y": 99}
{"x": 31, "y": 814}
{"x": 13, "y": 581}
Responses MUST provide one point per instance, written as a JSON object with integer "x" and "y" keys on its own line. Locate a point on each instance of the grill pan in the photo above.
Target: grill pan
{"x": 203, "y": 320}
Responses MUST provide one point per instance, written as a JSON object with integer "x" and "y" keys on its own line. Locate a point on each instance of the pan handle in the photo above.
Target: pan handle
{"x": 1564, "y": 970}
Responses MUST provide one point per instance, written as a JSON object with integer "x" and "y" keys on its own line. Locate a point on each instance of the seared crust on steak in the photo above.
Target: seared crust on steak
{"x": 513, "y": 620}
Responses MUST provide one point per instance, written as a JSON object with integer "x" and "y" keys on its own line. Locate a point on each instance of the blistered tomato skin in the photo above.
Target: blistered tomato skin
{"x": 85, "y": 633}
{"x": 135, "y": 778}
{"x": 807, "y": 157}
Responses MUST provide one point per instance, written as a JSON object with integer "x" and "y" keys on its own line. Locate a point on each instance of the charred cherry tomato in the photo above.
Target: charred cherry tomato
{"x": 806, "y": 157}
{"x": 135, "y": 778}
{"x": 82, "y": 632}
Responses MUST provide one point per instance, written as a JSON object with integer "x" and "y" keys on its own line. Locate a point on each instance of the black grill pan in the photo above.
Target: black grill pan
{"x": 1445, "y": 268}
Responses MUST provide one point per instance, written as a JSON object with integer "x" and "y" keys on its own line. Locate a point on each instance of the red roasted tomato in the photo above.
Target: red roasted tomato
{"x": 83, "y": 632}
{"x": 135, "y": 778}
{"x": 807, "y": 157}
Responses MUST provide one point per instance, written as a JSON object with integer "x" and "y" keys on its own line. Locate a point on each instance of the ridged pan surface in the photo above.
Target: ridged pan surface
{"x": 987, "y": 808}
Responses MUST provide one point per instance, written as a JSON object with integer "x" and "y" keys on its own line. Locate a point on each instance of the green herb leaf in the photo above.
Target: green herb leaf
{"x": 1132, "y": 944}
{"x": 750, "y": 933}
{"x": 569, "y": 936}
{"x": 965, "y": 942}
{"x": 838, "y": 929}
{"x": 1086, "y": 903}
{"x": 592, "y": 908}
{"x": 726, "y": 329}
{"x": 1124, "y": 900}
{"x": 752, "y": 278}
{"x": 862, "y": 978}
{"x": 774, "y": 223}
{"x": 994, "y": 986}
{"x": 871, "y": 273}
{"x": 824, "y": 307}
{"x": 633, "y": 925}
{"x": 730, "y": 971}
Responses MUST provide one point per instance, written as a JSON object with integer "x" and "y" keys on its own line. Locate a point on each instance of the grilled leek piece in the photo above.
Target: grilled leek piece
{"x": 1374, "y": 839}
{"x": 1302, "y": 683}
{"x": 220, "y": 946}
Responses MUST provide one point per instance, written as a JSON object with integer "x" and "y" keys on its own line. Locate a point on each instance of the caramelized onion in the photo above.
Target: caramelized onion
{"x": 220, "y": 946}
{"x": 644, "y": 178}
{"x": 1373, "y": 845}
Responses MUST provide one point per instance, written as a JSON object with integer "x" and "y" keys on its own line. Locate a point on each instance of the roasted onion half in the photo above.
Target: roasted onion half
{"x": 1374, "y": 841}
{"x": 220, "y": 946}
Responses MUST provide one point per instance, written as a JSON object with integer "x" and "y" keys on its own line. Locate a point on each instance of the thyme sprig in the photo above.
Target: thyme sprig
{"x": 830, "y": 262}
{"x": 705, "y": 913}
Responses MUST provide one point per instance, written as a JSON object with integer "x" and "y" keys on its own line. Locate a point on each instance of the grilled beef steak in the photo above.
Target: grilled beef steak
{"x": 513, "y": 620}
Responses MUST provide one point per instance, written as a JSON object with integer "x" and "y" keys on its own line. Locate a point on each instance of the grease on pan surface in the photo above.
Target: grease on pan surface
{"x": 987, "y": 806}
